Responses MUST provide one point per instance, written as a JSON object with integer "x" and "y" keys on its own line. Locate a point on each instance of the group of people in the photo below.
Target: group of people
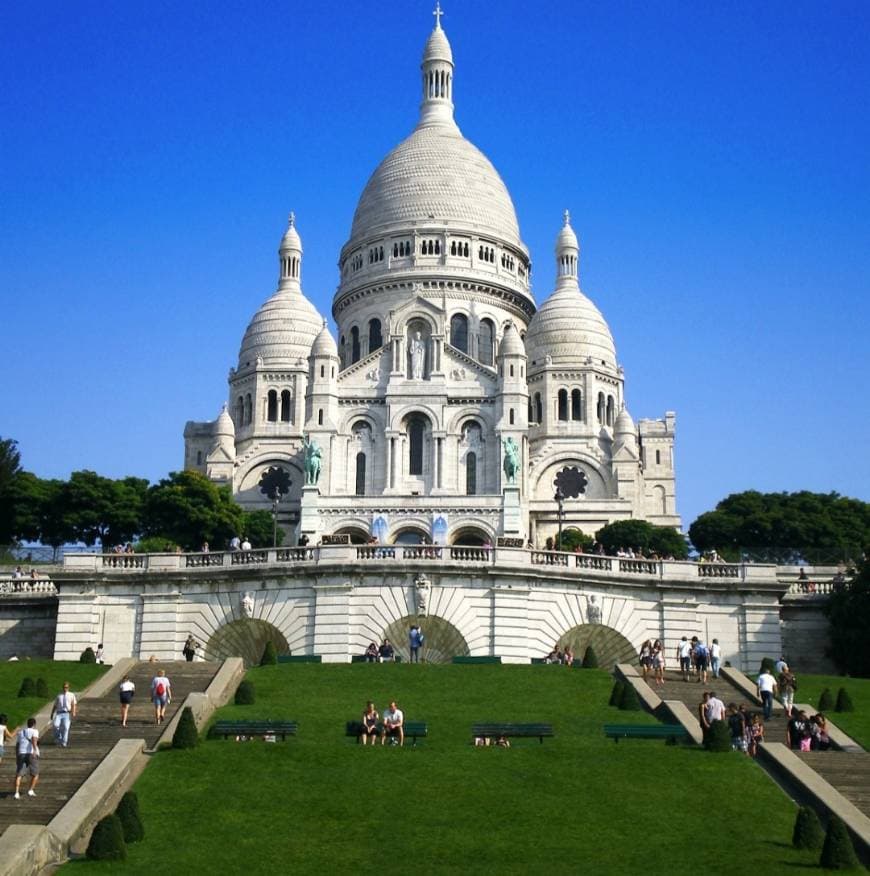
{"x": 746, "y": 728}
{"x": 19, "y": 573}
{"x": 391, "y": 727}
{"x": 237, "y": 543}
{"x": 695, "y": 658}
{"x": 386, "y": 653}
{"x": 560, "y": 654}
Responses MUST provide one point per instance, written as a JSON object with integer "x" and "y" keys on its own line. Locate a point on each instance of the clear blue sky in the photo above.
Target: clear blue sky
{"x": 715, "y": 158}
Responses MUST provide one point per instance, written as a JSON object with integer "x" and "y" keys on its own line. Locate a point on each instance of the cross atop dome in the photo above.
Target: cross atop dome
{"x": 291, "y": 219}
{"x": 438, "y": 13}
{"x": 567, "y": 217}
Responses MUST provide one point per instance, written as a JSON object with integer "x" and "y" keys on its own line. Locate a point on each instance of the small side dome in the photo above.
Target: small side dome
{"x": 511, "y": 342}
{"x": 324, "y": 344}
{"x": 624, "y": 424}
{"x": 224, "y": 425}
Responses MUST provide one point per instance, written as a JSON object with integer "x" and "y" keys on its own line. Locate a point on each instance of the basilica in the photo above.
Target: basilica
{"x": 448, "y": 407}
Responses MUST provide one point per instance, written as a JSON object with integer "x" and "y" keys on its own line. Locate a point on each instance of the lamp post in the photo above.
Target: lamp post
{"x": 274, "y": 483}
{"x": 276, "y": 498}
{"x": 559, "y": 499}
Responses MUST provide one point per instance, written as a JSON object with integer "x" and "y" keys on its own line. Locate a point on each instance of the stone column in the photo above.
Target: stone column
{"x": 440, "y": 460}
{"x": 510, "y": 623}
{"x": 332, "y": 622}
{"x": 160, "y": 634}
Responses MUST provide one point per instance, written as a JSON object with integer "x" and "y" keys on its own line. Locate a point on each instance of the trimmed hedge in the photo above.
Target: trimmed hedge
{"x": 270, "y": 655}
{"x": 107, "y": 840}
{"x": 88, "y": 656}
{"x": 131, "y": 818}
{"x": 769, "y": 664}
{"x": 838, "y": 853}
{"x": 629, "y": 701}
{"x": 186, "y": 735}
{"x": 808, "y": 831}
{"x": 42, "y": 689}
{"x": 28, "y": 687}
{"x": 844, "y": 701}
{"x": 590, "y": 658}
{"x": 616, "y": 693}
{"x": 717, "y": 737}
{"x": 826, "y": 701}
{"x": 245, "y": 695}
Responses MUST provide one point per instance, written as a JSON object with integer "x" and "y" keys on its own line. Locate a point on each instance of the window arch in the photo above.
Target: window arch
{"x": 471, "y": 473}
{"x": 376, "y": 339}
{"x": 416, "y": 435}
{"x": 576, "y": 405}
{"x": 360, "y": 474}
{"x": 459, "y": 331}
{"x": 286, "y": 408}
{"x": 531, "y": 412}
{"x": 610, "y": 408}
{"x": 354, "y": 345}
{"x": 600, "y": 409}
{"x": 485, "y": 341}
{"x": 272, "y": 406}
{"x": 539, "y": 408}
{"x": 240, "y": 411}
{"x": 511, "y": 416}
{"x": 249, "y": 410}
{"x": 320, "y": 417}
{"x": 563, "y": 404}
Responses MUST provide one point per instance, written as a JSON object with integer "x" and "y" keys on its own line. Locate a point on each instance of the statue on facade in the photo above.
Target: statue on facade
{"x": 247, "y": 603}
{"x": 422, "y": 585}
{"x": 511, "y": 460}
{"x": 417, "y": 352}
{"x": 313, "y": 455}
{"x": 593, "y": 611}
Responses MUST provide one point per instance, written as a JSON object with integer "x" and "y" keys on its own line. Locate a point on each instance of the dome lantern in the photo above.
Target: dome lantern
{"x": 290, "y": 255}
{"x": 437, "y": 67}
{"x": 567, "y": 255}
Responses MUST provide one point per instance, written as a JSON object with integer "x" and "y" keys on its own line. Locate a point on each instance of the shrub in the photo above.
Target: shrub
{"x": 245, "y": 694}
{"x": 270, "y": 655}
{"x": 629, "y": 701}
{"x": 88, "y": 656}
{"x": 590, "y": 658}
{"x": 28, "y": 687}
{"x": 42, "y": 689}
{"x": 717, "y": 737}
{"x": 838, "y": 853}
{"x": 844, "y": 701}
{"x": 107, "y": 840}
{"x": 616, "y": 693}
{"x": 826, "y": 701}
{"x": 769, "y": 664}
{"x": 186, "y": 735}
{"x": 808, "y": 832}
{"x": 130, "y": 818}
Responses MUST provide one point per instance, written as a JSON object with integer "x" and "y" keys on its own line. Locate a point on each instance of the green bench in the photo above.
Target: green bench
{"x": 413, "y": 730}
{"x": 529, "y": 731}
{"x": 361, "y": 658}
{"x": 254, "y": 728}
{"x": 671, "y": 732}
{"x": 576, "y": 663}
{"x": 299, "y": 658}
{"x": 462, "y": 659}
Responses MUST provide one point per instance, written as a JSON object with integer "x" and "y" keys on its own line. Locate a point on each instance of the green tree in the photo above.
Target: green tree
{"x": 10, "y": 470}
{"x": 101, "y": 509}
{"x": 257, "y": 526}
{"x": 188, "y": 509}
{"x": 848, "y": 613}
{"x": 572, "y": 538}
{"x": 641, "y": 534}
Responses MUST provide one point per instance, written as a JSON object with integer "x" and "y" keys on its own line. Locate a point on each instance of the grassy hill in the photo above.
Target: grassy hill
{"x": 321, "y": 803}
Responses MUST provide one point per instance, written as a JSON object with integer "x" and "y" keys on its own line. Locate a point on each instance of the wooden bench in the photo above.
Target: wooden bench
{"x": 361, "y": 658}
{"x": 671, "y": 732}
{"x": 254, "y": 728}
{"x": 413, "y": 730}
{"x": 494, "y": 731}
{"x": 299, "y": 658}
{"x": 463, "y": 659}
{"x": 576, "y": 663}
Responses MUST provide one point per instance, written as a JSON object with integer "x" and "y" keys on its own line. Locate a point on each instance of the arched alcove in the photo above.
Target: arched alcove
{"x": 411, "y": 535}
{"x": 610, "y": 646}
{"x": 245, "y": 638}
{"x": 470, "y": 536}
{"x": 441, "y": 643}
{"x": 357, "y": 534}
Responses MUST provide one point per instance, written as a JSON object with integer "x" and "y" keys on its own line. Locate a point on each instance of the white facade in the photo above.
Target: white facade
{"x": 441, "y": 356}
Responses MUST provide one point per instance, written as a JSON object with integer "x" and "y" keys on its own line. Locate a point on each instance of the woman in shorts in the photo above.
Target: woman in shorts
{"x": 658, "y": 662}
{"x": 6, "y": 735}
{"x": 370, "y": 720}
{"x": 646, "y": 657}
{"x": 126, "y": 691}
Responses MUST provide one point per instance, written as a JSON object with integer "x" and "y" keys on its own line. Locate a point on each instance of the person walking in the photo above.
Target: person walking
{"x": 787, "y": 684}
{"x": 415, "y": 640}
{"x": 27, "y": 758}
{"x": 6, "y": 735}
{"x": 161, "y": 695}
{"x": 766, "y": 685}
{"x": 715, "y": 657}
{"x": 126, "y": 692}
{"x": 189, "y": 649}
{"x": 684, "y": 656}
{"x": 64, "y": 709}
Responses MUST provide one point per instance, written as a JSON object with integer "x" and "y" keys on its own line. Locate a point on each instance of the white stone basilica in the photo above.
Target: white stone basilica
{"x": 443, "y": 367}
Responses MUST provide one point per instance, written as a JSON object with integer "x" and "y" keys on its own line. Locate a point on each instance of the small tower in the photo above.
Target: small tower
{"x": 322, "y": 397}
{"x": 626, "y": 460}
{"x": 437, "y": 67}
{"x": 513, "y": 393}
{"x": 567, "y": 256}
{"x": 290, "y": 256}
{"x": 222, "y": 456}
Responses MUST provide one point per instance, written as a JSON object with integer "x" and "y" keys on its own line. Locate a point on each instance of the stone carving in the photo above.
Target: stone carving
{"x": 417, "y": 352}
{"x": 247, "y": 603}
{"x": 511, "y": 460}
{"x": 259, "y": 362}
{"x": 593, "y": 611}
{"x": 374, "y": 375}
{"x": 313, "y": 455}
{"x": 422, "y": 585}
{"x": 457, "y": 374}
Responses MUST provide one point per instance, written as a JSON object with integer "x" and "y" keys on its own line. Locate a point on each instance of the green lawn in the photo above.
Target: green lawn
{"x": 321, "y": 803}
{"x": 55, "y": 673}
{"x": 857, "y": 723}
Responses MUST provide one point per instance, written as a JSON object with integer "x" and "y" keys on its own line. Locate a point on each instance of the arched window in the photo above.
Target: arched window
{"x": 395, "y": 250}
{"x": 511, "y": 416}
{"x": 531, "y": 413}
{"x": 416, "y": 431}
{"x": 576, "y": 405}
{"x": 563, "y": 404}
{"x": 354, "y": 345}
{"x": 465, "y": 250}
{"x": 320, "y": 416}
{"x": 485, "y": 341}
{"x": 376, "y": 340}
{"x": 453, "y": 247}
{"x": 600, "y": 409}
{"x": 199, "y": 457}
{"x": 459, "y": 331}
{"x": 342, "y": 352}
{"x": 240, "y": 411}
{"x": 360, "y": 474}
{"x": 249, "y": 410}
{"x": 471, "y": 473}
{"x": 272, "y": 406}
{"x": 286, "y": 410}
{"x": 610, "y": 406}
{"x": 539, "y": 408}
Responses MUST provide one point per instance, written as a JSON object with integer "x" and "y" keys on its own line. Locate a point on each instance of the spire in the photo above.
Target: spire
{"x": 290, "y": 256}
{"x": 437, "y": 67}
{"x": 567, "y": 255}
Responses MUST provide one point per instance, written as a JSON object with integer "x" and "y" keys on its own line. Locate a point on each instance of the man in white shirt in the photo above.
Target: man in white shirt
{"x": 714, "y": 709}
{"x": 65, "y": 708}
{"x": 394, "y": 724}
{"x": 684, "y": 655}
{"x": 161, "y": 694}
{"x": 27, "y": 758}
{"x": 715, "y": 657}
{"x": 766, "y": 685}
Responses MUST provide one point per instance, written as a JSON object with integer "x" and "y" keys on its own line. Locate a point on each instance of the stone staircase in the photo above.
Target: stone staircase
{"x": 847, "y": 771}
{"x": 93, "y": 734}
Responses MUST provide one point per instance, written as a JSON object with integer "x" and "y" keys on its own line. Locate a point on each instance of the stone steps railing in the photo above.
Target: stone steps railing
{"x": 27, "y": 587}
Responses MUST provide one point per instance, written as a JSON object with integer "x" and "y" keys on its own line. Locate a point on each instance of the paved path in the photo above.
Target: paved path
{"x": 93, "y": 734}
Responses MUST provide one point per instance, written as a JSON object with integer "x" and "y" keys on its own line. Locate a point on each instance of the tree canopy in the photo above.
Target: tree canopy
{"x": 848, "y": 611}
{"x": 785, "y": 527}
{"x": 641, "y": 534}
{"x": 10, "y": 471}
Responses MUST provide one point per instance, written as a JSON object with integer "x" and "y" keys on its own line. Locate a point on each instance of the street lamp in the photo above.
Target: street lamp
{"x": 274, "y": 483}
{"x": 560, "y": 500}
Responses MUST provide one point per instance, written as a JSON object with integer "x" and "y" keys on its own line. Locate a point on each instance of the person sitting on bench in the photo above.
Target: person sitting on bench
{"x": 394, "y": 721}
{"x": 371, "y": 653}
{"x": 386, "y": 651}
{"x": 369, "y": 724}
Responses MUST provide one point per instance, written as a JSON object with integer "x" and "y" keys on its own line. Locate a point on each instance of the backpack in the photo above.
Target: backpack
{"x": 160, "y": 690}
{"x": 700, "y": 652}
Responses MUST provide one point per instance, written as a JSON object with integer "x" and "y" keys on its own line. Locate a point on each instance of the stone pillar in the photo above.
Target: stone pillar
{"x": 160, "y": 635}
{"x": 511, "y": 512}
{"x": 309, "y": 517}
{"x": 440, "y": 461}
{"x": 77, "y": 623}
{"x": 332, "y": 622}
{"x": 510, "y": 623}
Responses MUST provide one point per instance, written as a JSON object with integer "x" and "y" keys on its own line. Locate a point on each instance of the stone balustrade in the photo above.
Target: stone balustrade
{"x": 815, "y": 588}
{"x": 27, "y": 587}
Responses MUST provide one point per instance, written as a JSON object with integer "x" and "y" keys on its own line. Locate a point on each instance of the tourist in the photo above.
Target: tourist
{"x": 555, "y": 656}
{"x": 756, "y": 734}
{"x": 779, "y": 666}
{"x": 33, "y": 574}
{"x": 369, "y": 724}
{"x": 819, "y": 727}
{"x": 64, "y": 709}
{"x": 303, "y": 540}
{"x": 18, "y": 573}
{"x": 394, "y": 725}
{"x": 189, "y": 649}
{"x": 235, "y": 543}
{"x": 700, "y": 657}
{"x": 645, "y": 656}
{"x": 371, "y": 653}
{"x": 702, "y": 712}
{"x": 684, "y": 656}
{"x": 415, "y": 641}
{"x": 246, "y": 545}
{"x": 787, "y": 684}
{"x": 161, "y": 695}
{"x": 798, "y": 735}
{"x": 126, "y": 691}
{"x": 766, "y": 685}
{"x": 715, "y": 657}
{"x": 99, "y": 654}
{"x": 502, "y": 742}
{"x": 386, "y": 652}
{"x": 27, "y": 758}
{"x": 568, "y": 656}
{"x": 658, "y": 662}
{"x": 737, "y": 727}
{"x": 204, "y": 548}
{"x": 6, "y": 735}
{"x": 803, "y": 581}
{"x": 715, "y": 708}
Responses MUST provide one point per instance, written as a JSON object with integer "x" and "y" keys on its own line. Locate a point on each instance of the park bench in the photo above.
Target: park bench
{"x": 494, "y": 731}
{"x": 463, "y": 659}
{"x": 361, "y": 658}
{"x": 254, "y": 728}
{"x": 576, "y": 663}
{"x": 413, "y": 730}
{"x": 299, "y": 658}
{"x": 671, "y": 732}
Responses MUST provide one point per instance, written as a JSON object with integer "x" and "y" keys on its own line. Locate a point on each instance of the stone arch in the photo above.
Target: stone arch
{"x": 358, "y": 534}
{"x": 471, "y": 535}
{"x": 442, "y": 641}
{"x": 245, "y": 638}
{"x": 406, "y": 532}
{"x": 599, "y": 484}
{"x": 610, "y": 645}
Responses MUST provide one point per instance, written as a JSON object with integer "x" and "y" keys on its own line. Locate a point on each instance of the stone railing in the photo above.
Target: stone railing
{"x": 249, "y": 558}
{"x": 198, "y": 561}
{"x": 549, "y": 558}
{"x": 640, "y": 567}
{"x": 376, "y": 552}
{"x": 422, "y": 552}
{"x": 816, "y": 588}
{"x": 718, "y": 570}
{"x": 27, "y": 587}
{"x": 471, "y": 554}
{"x": 295, "y": 555}
{"x": 592, "y": 561}
{"x": 124, "y": 561}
